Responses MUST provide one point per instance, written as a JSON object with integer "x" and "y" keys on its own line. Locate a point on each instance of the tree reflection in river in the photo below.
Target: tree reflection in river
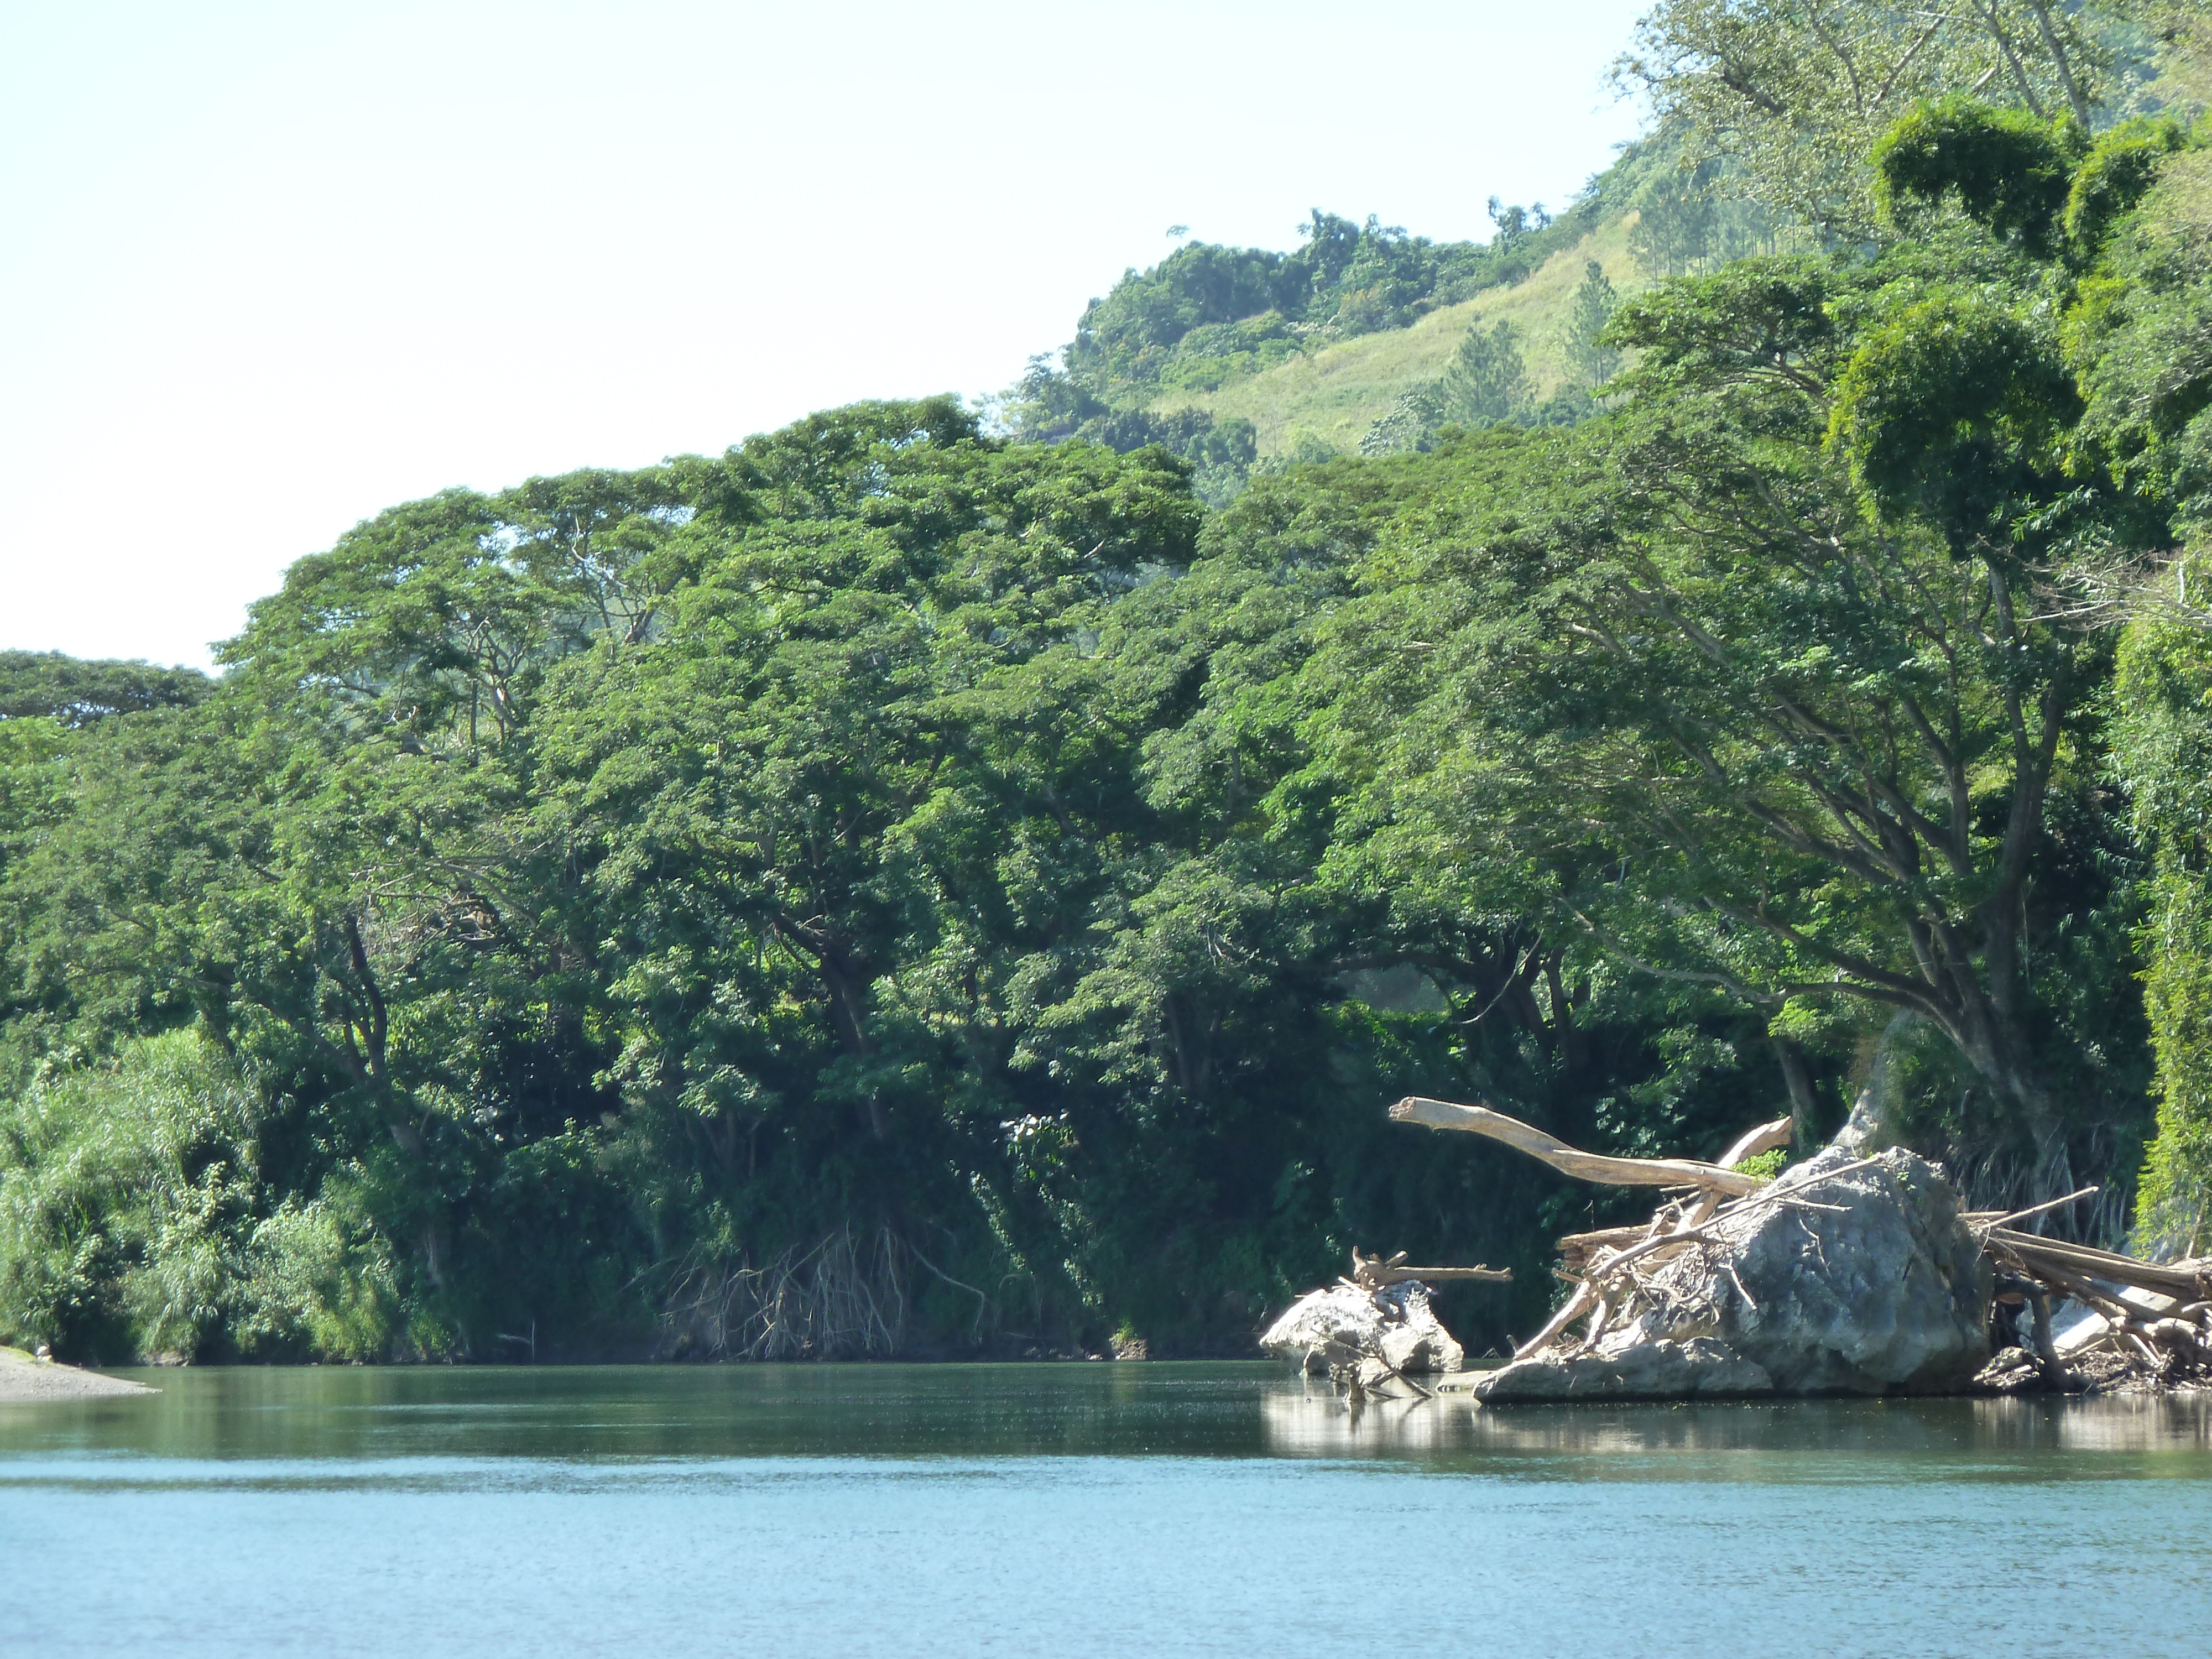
{"x": 1312, "y": 1421}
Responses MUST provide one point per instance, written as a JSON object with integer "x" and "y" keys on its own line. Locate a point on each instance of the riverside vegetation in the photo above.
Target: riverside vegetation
{"x": 919, "y": 883}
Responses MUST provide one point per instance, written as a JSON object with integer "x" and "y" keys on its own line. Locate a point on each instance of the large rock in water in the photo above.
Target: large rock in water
{"x": 1344, "y": 1324}
{"x": 1881, "y": 1289}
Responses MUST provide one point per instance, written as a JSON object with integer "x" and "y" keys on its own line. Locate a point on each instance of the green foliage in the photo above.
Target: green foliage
{"x": 1590, "y": 356}
{"x": 1164, "y": 341}
{"x": 2164, "y": 752}
{"x": 1734, "y": 734}
{"x": 1761, "y": 321}
{"x": 1488, "y": 382}
{"x": 2139, "y": 339}
{"x": 2030, "y": 182}
{"x": 1794, "y": 96}
{"x": 1485, "y": 384}
{"x": 137, "y": 1216}
{"x": 1692, "y": 215}
{"x": 35, "y": 684}
{"x": 2006, "y": 168}
{"x": 1206, "y": 314}
{"x": 2115, "y": 175}
{"x": 1953, "y": 409}
{"x": 1051, "y": 407}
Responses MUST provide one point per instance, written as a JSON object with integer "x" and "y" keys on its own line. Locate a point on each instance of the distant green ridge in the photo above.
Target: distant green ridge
{"x": 1367, "y": 339}
{"x": 1334, "y": 396}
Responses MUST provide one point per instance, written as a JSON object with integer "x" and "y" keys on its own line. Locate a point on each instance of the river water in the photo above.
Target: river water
{"x": 1099, "y": 1509}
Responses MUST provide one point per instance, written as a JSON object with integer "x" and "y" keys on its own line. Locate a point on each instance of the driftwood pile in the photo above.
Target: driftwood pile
{"x": 1731, "y": 1286}
{"x": 1373, "y": 1331}
{"x": 2143, "y": 1323}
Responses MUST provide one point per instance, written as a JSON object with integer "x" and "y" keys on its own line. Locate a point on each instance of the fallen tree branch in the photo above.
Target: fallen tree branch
{"x": 1569, "y": 1160}
{"x": 1993, "y": 1219}
{"x": 1702, "y": 1232}
{"x": 1576, "y": 1248}
{"x": 1764, "y": 1138}
{"x": 1583, "y": 1244}
{"x": 1477, "y": 1274}
{"x": 1372, "y": 1273}
{"x": 1571, "y": 1310}
{"x": 2184, "y": 1281}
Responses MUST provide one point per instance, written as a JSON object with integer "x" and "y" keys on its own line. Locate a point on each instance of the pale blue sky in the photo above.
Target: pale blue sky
{"x": 265, "y": 269}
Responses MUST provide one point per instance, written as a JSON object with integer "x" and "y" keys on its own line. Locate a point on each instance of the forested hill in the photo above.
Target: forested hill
{"x": 911, "y": 885}
{"x": 1366, "y": 339}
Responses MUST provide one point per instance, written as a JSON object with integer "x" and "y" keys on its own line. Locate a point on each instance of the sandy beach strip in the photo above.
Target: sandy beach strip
{"x": 26, "y": 1381}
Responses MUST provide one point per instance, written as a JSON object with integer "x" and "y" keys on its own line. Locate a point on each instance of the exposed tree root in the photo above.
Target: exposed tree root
{"x": 842, "y": 1298}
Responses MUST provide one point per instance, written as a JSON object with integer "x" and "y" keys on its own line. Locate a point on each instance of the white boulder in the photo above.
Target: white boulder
{"x": 1344, "y": 1324}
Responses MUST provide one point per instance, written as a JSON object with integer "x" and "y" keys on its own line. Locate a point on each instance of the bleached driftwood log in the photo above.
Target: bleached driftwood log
{"x": 1760, "y": 1137}
{"x": 2182, "y": 1281}
{"x": 2152, "y": 1320}
{"x": 1569, "y": 1160}
{"x": 1373, "y": 1273}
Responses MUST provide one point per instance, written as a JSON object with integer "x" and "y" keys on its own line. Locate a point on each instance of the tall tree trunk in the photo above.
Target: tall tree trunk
{"x": 1804, "y": 1104}
{"x": 843, "y": 979}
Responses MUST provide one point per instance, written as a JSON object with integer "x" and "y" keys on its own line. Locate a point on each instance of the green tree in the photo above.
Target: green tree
{"x": 2140, "y": 342}
{"x": 1487, "y": 382}
{"x": 1591, "y": 357}
{"x": 1737, "y": 728}
{"x": 2165, "y": 753}
{"x": 49, "y": 685}
{"x": 1796, "y": 92}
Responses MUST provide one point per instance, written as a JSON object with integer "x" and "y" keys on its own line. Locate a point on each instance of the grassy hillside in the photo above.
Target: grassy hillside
{"x": 1333, "y": 395}
{"x": 2188, "y": 195}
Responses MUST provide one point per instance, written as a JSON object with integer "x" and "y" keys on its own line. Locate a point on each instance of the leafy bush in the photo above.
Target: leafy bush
{"x": 2003, "y": 166}
{"x": 1765, "y": 1165}
{"x": 135, "y": 1220}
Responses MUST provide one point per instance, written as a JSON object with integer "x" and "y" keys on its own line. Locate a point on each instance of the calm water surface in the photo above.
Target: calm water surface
{"x": 1160, "y": 1508}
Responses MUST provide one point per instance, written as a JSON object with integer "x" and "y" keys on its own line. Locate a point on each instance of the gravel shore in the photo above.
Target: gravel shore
{"x": 24, "y": 1380}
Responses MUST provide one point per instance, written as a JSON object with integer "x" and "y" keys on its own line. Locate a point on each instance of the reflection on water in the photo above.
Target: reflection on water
{"x": 1313, "y": 1422}
{"x": 1158, "y": 1508}
{"x": 633, "y": 1412}
{"x": 666, "y": 1412}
